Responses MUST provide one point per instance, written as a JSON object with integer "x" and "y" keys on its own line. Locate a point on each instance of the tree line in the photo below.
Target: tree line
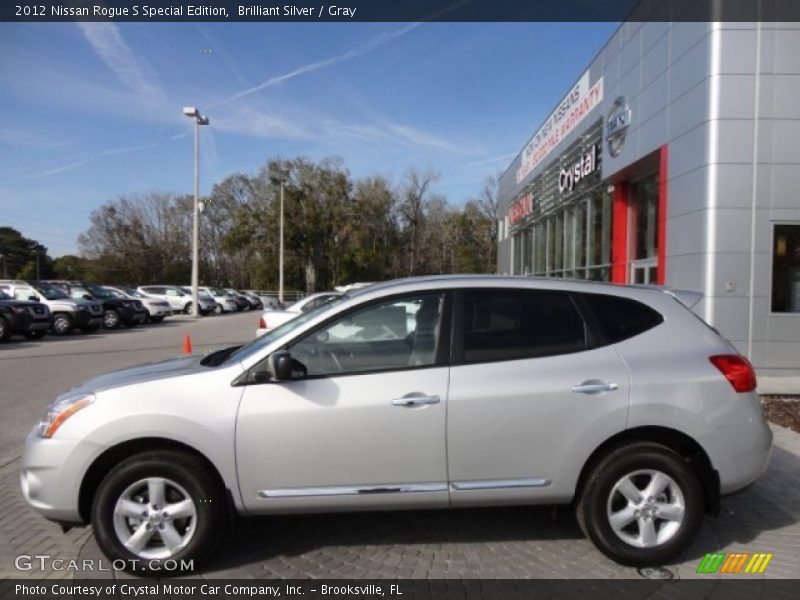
{"x": 337, "y": 230}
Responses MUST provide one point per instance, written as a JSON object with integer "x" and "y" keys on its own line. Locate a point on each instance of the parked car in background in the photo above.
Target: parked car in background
{"x": 270, "y": 319}
{"x": 116, "y": 311}
{"x": 67, "y": 313}
{"x": 22, "y": 317}
{"x": 255, "y": 301}
{"x": 499, "y": 390}
{"x": 243, "y": 302}
{"x": 225, "y": 303}
{"x": 157, "y": 309}
{"x": 267, "y": 301}
{"x": 207, "y": 304}
{"x": 180, "y": 301}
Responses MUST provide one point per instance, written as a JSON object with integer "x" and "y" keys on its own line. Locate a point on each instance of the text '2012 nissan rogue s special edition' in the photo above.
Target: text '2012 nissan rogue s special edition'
{"x": 491, "y": 390}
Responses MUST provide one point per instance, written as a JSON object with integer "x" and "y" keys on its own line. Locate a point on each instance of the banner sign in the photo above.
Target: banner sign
{"x": 572, "y": 109}
{"x": 520, "y": 208}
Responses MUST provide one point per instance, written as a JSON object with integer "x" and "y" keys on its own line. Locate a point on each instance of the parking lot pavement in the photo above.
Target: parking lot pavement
{"x": 33, "y": 373}
{"x": 518, "y": 542}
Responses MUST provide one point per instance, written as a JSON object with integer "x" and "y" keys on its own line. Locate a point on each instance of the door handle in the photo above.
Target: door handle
{"x": 415, "y": 400}
{"x": 594, "y": 386}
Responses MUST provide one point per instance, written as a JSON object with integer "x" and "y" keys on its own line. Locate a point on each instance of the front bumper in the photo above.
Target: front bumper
{"x": 39, "y": 325}
{"x": 85, "y": 318}
{"x": 51, "y": 474}
{"x": 160, "y": 311}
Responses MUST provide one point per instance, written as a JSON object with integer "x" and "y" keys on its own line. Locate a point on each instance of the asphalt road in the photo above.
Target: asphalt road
{"x": 33, "y": 373}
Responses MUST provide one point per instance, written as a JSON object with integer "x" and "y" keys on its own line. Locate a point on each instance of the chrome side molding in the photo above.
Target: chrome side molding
{"x": 498, "y": 484}
{"x": 405, "y": 488}
{"x": 409, "y": 488}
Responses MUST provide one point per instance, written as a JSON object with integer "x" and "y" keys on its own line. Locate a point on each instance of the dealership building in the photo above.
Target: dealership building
{"x": 674, "y": 159}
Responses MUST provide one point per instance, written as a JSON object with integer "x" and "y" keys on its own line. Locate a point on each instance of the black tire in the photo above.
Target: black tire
{"x": 189, "y": 473}
{"x": 187, "y": 310}
{"x": 62, "y": 324}
{"x": 5, "y": 330}
{"x": 593, "y": 507}
{"x": 218, "y": 309}
{"x": 34, "y": 335}
{"x": 111, "y": 319}
{"x": 156, "y": 319}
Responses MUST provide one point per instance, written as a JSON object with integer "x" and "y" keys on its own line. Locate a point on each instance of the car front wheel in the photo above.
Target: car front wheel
{"x": 111, "y": 319}
{"x": 62, "y": 324}
{"x": 158, "y": 506}
{"x": 642, "y": 505}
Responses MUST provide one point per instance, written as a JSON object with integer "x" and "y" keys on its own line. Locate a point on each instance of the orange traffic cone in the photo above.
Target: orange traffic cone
{"x": 187, "y": 345}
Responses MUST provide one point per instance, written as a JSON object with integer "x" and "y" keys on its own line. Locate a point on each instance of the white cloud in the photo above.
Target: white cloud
{"x": 376, "y": 42}
{"x": 79, "y": 163}
{"x": 109, "y": 46}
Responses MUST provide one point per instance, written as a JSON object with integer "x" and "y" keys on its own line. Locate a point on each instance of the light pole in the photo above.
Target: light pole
{"x": 283, "y": 172}
{"x": 192, "y": 112}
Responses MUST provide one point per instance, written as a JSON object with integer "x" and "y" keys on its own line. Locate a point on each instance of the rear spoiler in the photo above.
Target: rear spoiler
{"x": 688, "y": 298}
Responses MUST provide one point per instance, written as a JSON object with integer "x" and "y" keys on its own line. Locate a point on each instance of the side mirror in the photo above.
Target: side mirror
{"x": 33, "y": 298}
{"x": 87, "y": 297}
{"x": 280, "y": 365}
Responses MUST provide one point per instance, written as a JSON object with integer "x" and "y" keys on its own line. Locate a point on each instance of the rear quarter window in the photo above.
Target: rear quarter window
{"x": 509, "y": 324}
{"x": 621, "y": 318}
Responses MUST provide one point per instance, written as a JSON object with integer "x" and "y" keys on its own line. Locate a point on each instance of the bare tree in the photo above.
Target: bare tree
{"x": 412, "y": 208}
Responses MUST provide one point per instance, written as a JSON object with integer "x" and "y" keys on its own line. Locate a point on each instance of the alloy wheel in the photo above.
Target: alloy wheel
{"x": 646, "y": 508}
{"x": 155, "y": 518}
{"x": 110, "y": 319}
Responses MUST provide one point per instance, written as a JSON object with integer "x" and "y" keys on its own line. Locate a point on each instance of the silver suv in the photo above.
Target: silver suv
{"x": 421, "y": 393}
{"x": 68, "y": 313}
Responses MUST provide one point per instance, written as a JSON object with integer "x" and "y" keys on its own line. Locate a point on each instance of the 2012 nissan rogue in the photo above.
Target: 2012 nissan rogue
{"x": 420, "y": 393}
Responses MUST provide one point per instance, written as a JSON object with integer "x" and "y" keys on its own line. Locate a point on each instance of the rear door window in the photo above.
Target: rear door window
{"x": 509, "y": 324}
{"x": 621, "y": 318}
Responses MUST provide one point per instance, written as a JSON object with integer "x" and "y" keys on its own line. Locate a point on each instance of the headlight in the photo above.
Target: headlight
{"x": 61, "y": 410}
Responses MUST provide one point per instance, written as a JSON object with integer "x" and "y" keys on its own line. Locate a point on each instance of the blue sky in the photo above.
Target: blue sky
{"x": 92, "y": 111}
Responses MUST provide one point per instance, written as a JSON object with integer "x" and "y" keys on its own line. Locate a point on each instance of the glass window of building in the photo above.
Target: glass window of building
{"x": 599, "y": 237}
{"x": 786, "y": 268}
{"x": 644, "y": 230}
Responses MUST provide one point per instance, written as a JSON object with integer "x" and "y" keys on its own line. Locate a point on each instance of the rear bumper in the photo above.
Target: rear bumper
{"x": 739, "y": 453}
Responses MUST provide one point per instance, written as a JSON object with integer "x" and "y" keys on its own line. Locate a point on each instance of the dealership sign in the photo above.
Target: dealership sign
{"x": 572, "y": 109}
{"x": 520, "y": 208}
{"x": 569, "y": 177}
{"x": 617, "y": 123}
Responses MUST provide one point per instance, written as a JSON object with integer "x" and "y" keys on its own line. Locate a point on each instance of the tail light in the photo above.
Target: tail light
{"x": 737, "y": 370}
{"x": 262, "y": 324}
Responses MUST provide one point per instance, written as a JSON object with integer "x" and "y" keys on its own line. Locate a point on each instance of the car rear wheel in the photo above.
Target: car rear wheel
{"x": 158, "y": 506}
{"x": 5, "y": 330}
{"x": 642, "y": 505}
{"x": 187, "y": 310}
{"x": 110, "y": 319}
{"x": 62, "y": 324}
{"x": 218, "y": 309}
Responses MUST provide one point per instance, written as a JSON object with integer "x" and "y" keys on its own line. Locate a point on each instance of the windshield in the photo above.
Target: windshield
{"x": 133, "y": 293}
{"x": 257, "y": 344}
{"x": 51, "y": 293}
{"x": 4, "y": 296}
{"x": 116, "y": 293}
{"x": 100, "y": 292}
